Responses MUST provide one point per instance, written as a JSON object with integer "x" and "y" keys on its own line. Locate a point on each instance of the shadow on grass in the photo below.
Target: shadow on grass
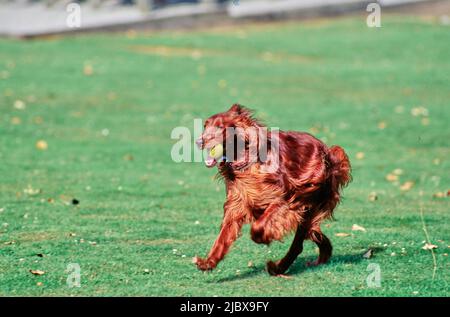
{"x": 300, "y": 265}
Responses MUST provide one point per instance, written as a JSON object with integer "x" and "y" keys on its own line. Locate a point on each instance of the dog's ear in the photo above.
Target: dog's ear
{"x": 241, "y": 111}
{"x": 258, "y": 143}
{"x": 247, "y": 145}
{"x": 236, "y": 108}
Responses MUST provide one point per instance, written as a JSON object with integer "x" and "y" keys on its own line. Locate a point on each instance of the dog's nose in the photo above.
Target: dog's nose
{"x": 199, "y": 142}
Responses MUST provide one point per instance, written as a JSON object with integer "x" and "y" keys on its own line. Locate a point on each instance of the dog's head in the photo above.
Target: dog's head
{"x": 240, "y": 135}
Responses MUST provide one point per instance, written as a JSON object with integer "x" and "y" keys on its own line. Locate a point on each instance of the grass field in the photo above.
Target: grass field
{"x": 90, "y": 118}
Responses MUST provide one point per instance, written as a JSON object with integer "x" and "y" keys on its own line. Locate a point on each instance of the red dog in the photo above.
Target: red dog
{"x": 295, "y": 194}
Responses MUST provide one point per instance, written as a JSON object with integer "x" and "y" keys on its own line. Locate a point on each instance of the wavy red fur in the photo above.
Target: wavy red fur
{"x": 298, "y": 195}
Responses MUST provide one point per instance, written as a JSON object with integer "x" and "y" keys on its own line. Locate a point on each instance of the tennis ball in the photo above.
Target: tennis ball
{"x": 217, "y": 151}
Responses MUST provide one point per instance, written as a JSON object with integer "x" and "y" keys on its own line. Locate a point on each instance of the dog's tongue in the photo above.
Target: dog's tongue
{"x": 210, "y": 161}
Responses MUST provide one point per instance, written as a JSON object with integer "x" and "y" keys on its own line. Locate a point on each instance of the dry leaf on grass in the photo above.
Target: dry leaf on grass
{"x": 439, "y": 195}
{"x": 37, "y": 272}
{"x": 16, "y": 120}
{"x": 425, "y": 121}
{"x": 88, "y": 70}
{"x": 407, "y": 186}
{"x": 342, "y": 234}
{"x": 373, "y": 196}
{"x": 391, "y": 177}
{"x": 429, "y": 246}
{"x": 382, "y": 125}
{"x": 419, "y": 111}
{"x": 356, "y": 227}
{"x": 32, "y": 191}
{"x": 128, "y": 157}
{"x": 42, "y": 145}
{"x": 19, "y": 105}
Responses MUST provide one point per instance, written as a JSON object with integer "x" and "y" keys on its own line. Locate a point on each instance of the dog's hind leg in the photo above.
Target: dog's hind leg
{"x": 324, "y": 244}
{"x": 281, "y": 266}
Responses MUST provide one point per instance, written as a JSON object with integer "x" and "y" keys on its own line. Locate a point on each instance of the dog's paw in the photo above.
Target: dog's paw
{"x": 204, "y": 264}
{"x": 273, "y": 269}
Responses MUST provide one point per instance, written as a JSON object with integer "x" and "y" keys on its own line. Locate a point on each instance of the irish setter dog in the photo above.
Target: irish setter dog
{"x": 293, "y": 186}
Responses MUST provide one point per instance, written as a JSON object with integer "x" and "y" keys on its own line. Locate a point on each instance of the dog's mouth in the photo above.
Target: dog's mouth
{"x": 210, "y": 162}
{"x": 215, "y": 155}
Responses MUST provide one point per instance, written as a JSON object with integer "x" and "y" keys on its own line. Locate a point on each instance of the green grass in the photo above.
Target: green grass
{"x": 336, "y": 78}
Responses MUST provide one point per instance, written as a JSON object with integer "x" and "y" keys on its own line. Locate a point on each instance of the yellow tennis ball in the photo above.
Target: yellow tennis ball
{"x": 217, "y": 151}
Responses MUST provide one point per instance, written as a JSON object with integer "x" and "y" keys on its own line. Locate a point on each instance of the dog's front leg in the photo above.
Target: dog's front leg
{"x": 229, "y": 232}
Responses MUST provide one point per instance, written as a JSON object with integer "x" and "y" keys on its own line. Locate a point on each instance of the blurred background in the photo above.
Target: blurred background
{"x": 28, "y": 18}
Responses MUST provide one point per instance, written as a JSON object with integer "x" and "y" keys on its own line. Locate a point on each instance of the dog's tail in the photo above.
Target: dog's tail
{"x": 340, "y": 168}
{"x": 339, "y": 175}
